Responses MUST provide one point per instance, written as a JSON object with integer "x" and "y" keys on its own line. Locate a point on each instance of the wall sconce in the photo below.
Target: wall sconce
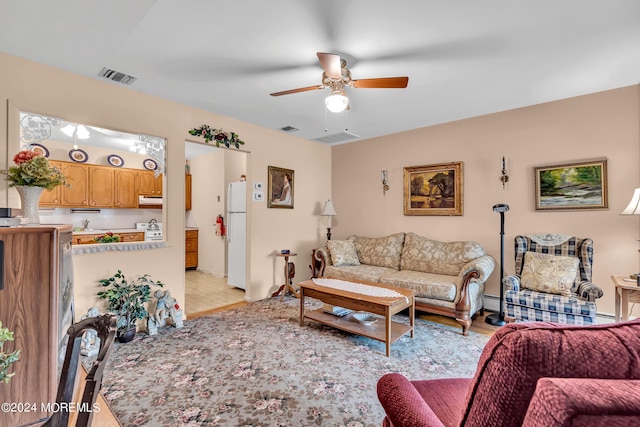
{"x": 383, "y": 177}
{"x": 504, "y": 178}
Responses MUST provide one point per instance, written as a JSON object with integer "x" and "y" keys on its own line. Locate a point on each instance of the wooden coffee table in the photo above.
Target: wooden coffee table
{"x": 387, "y": 331}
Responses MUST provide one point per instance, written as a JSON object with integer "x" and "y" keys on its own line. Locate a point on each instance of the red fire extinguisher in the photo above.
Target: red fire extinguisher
{"x": 221, "y": 230}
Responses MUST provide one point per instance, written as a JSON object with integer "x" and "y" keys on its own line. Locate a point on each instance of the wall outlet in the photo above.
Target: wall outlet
{"x": 258, "y": 196}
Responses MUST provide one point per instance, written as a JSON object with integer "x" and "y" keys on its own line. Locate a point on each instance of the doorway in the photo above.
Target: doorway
{"x": 211, "y": 170}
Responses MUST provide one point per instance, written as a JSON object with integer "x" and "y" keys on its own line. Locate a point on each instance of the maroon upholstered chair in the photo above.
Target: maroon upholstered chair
{"x": 532, "y": 374}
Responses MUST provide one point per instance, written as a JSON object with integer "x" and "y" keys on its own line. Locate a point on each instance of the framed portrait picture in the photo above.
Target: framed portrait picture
{"x": 571, "y": 186}
{"x": 280, "y": 188}
{"x": 433, "y": 189}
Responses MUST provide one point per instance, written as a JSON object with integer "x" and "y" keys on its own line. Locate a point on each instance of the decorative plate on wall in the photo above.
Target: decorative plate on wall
{"x": 39, "y": 148}
{"x": 150, "y": 164}
{"x": 79, "y": 156}
{"x": 115, "y": 160}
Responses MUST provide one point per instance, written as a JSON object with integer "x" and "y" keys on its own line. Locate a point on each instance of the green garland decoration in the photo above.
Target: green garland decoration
{"x": 218, "y": 135}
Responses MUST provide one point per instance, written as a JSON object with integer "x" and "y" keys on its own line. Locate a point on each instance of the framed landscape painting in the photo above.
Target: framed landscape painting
{"x": 569, "y": 186}
{"x": 280, "y": 188}
{"x": 433, "y": 189}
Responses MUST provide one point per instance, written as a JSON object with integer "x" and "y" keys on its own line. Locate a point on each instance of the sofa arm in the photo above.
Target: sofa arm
{"x": 484, "y": 265}
{"x": 511, "y": 283}
{"x": 319, "y": 260}
{"x": 403, "y": 404}
{"x": 584, "y": 401}
{"x": 589, "y": 292}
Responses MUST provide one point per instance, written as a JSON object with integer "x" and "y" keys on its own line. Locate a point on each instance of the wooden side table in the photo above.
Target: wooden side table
{"x": 626, "y": 291}
{"x": 287, "y": 286}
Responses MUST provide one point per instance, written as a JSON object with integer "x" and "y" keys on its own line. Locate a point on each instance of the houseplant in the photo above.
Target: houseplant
{"x": 107, "y": 237}
{"x": 31, "y": 175}
{"x": 127, "y": 299}
{"x": 6, "y": 359}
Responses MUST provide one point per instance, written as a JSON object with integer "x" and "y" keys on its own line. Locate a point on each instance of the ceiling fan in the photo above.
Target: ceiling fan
{"x": 337, "y": 76}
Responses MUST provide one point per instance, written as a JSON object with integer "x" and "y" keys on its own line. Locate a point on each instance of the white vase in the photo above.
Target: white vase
{"x": 30, "y": 197}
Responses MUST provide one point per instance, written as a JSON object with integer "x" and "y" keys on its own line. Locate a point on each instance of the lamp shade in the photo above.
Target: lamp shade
{"x": 336, "y": 102}
{"x": 634, "y": 205}
{"x": 329, "y": 210}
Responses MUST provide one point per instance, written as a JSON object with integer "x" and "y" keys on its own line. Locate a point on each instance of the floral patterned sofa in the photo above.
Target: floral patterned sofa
{"x": 448, "y": 276}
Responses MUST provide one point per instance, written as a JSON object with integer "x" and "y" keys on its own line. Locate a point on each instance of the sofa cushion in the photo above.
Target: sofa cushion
{"x": 431, "y": 256}
{"x": 379, "y": 251}
{"x": 369, "y": 273}
{"x": 428, "y": 285}
{"x": 554, "y": 274}
{"x": 343, "y": 252}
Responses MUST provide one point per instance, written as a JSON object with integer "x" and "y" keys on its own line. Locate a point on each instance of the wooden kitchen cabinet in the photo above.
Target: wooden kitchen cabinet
{"x": 101, "y": 187}
{"x": 187, "y": 191}
{"x": 89, "y": 239}
{"x": 149, "y": 184}
{"x": 191, "y": 249}
{"x": 78, "y": 177}
{"x": 98, "y": 186}
{"x": 126, "y": 194}
{"x": 51, "y": 198}
{"x": 132, "y": 237}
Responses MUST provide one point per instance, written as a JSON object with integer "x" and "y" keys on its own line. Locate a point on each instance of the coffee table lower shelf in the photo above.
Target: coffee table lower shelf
{"x": 348, "y": 323}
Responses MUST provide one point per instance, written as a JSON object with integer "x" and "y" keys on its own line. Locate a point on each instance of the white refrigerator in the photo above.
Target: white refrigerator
{"x": 237, "y": 234}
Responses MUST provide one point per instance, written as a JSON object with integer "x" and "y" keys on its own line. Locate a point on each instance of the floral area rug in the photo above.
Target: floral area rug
{"x": 255, "y": 366}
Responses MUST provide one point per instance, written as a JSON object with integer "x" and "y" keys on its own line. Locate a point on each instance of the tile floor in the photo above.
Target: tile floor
{"x": 205, "y": 293}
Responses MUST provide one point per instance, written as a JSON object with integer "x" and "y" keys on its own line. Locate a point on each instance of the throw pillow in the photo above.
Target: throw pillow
{"x": 343, "y": 252}
{"x": 553, "y": 274}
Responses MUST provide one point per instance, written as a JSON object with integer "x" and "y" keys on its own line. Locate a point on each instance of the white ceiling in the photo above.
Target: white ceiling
{"x": 464, "y": 58}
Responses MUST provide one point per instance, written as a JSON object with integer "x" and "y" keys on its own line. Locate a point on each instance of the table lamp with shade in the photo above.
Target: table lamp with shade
{"x": 634, "y": 209}
{"x": 329, "y": 211}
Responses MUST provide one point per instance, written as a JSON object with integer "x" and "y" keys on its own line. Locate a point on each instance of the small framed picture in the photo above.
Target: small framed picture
{"x": 572, "y": 186}
{"x": 280, "y": 188}
{"x": 433, "y": 189}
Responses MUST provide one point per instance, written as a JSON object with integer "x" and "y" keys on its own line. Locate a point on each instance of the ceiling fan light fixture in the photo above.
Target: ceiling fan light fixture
{"x": 336, "y": 102}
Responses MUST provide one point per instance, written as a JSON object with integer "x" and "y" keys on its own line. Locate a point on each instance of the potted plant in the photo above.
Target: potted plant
{"x": 127, "y": 299}
{"x": 31, "y": 175}
{"x": 6, "y": 359}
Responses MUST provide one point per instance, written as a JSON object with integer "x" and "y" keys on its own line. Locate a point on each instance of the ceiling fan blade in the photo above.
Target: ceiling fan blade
{"x": 331, "y": 64}
{"x": 384, "y": 82}
{"x": 302, "y": 89}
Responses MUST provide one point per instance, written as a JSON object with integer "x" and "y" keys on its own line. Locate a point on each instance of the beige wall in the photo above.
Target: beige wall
{"x": 600, "y": 125}
{"x": 42, "y": 89}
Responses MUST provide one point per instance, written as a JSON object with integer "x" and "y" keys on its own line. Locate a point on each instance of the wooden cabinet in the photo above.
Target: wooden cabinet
{"x": 191, "y": 249}
{"x": 51, "y": 198}
{"x": 126, "y": 195}
{"x": 88, "y": 239}
{"x": 96, "y": 186}
{"x": 101, "y": 187}
{"x": 187, "y": 191}
{"x": 36, "y": 303}
{"x": 149, "y": 184}
{"x": 132, "y": 237}
{"x": 78, "y": 177}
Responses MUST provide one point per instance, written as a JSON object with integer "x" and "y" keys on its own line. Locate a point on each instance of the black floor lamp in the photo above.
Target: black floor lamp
{"x": 497, "y": 319}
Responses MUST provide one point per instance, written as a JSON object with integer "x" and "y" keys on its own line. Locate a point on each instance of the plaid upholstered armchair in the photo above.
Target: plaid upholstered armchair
{"x": 552, "y": 281}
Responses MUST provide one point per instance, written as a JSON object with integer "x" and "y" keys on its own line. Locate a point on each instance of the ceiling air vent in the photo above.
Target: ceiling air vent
{"x": 337, "y": 137}
{"x": 289, "y": 129}
{"x": 117, "y": 76}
